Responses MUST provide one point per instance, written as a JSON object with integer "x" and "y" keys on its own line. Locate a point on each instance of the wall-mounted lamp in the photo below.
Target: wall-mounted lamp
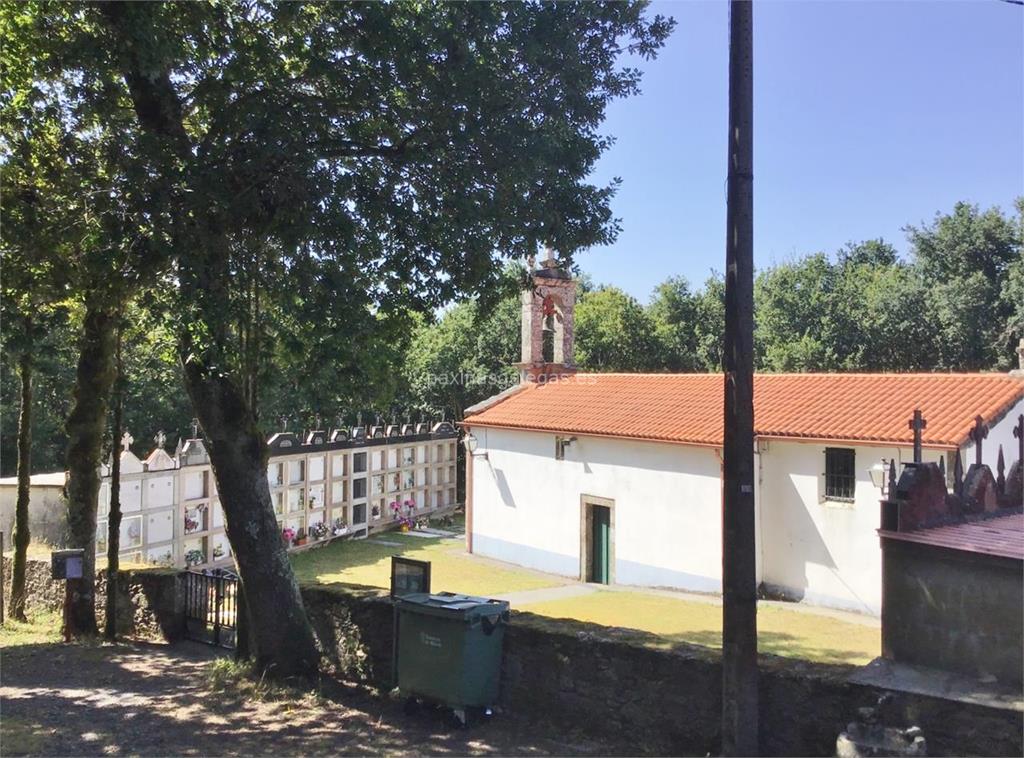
{"x": 561, "y": 443}
{"x": 470, "y": 443}
{"x": 880, "y": 476}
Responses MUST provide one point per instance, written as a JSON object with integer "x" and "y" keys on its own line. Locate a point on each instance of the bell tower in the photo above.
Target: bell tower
{"x": 548, "y": 334}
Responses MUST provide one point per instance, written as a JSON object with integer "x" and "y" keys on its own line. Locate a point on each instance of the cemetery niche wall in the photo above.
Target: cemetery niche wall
{"x": 953, "y": 569}
{"x": 346, "y": 482}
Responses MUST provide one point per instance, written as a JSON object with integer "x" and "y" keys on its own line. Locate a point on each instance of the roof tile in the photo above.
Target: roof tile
{"x": 688, "y": 408}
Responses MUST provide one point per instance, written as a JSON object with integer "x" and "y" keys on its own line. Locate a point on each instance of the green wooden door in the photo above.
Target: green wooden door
{"x": 600, "y": 544}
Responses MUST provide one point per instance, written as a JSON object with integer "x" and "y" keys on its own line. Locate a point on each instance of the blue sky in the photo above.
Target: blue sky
{"x": 867, "y": 116}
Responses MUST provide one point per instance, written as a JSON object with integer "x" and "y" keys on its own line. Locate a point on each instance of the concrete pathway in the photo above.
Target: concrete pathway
{"x": 544, "y": 594}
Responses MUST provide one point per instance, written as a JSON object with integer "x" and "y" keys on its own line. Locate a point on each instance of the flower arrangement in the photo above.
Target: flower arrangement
{"x": 287, "y": 534}
{"x": 193, "y": 557}
{"x": 319, "y": 530}
{"x": 191, "y": 524}
{"x": 300, "y": 537}
{"x": 340, "y": 527}
{"x": 218, "y": 551}
{"x": 410, "y": 504}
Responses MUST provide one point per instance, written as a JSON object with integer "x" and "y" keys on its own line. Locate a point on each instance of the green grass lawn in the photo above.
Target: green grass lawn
{"x": 42, "y": 627}
{"x": 451, "y": 569}
{"x": 780, "y": 631}
{"x": 783, "y": 632}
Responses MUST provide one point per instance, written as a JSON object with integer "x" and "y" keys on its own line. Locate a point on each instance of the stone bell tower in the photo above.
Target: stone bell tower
{"x": 548, "y": 335}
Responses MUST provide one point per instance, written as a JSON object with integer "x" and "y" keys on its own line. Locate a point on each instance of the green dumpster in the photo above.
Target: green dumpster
{"x": 449, "y": 648}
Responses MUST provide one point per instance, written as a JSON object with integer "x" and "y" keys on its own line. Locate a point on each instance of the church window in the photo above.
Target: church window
{"x": 840, "y": 477}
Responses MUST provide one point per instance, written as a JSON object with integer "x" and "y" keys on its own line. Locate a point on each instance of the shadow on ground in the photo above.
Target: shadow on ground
{"x": 150, "y": 699}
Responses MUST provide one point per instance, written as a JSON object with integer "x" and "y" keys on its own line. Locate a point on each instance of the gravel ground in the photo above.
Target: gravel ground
{"x": 149, "y": 699}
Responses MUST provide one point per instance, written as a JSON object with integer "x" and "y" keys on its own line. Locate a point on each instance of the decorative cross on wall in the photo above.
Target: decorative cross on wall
{"x": 1018, "y": 432}
{"x": 977, "y": 434}
{"x": 195, "y": 428}
{"x": 918, "y": 424}
{"x": 126, "y": 441}
{"x": 160, "y": 439}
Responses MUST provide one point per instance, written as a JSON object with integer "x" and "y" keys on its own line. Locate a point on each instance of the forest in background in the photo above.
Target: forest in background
{"x": 955, "y": 303}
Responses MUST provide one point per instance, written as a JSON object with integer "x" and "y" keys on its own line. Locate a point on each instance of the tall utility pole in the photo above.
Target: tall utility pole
{"x": 739, "y": 578}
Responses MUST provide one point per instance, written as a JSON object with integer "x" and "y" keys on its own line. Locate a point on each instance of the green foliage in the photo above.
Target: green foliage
{"x": 673, "y": 309}
{"x": 463, "y": 358}
{"x": 614, "y": 333}
{"x": 791, "y": 312}
{"x": 967, "y": 257}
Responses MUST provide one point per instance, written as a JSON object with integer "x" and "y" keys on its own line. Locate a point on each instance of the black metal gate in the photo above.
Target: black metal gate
{"x": 211, "y": 607}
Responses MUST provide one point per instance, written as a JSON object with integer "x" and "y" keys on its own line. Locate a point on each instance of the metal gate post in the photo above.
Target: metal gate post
{"x": 217, "y": 603}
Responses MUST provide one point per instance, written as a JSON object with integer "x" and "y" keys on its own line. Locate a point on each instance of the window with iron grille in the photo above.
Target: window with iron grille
{"x": 840, "y": 476}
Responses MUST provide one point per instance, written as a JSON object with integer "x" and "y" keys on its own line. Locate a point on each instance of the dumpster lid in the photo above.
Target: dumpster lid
{"x": 452, "y": 605}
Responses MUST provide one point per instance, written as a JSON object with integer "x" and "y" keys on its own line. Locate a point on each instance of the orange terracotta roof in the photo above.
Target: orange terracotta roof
{"x": 688, "y": 408}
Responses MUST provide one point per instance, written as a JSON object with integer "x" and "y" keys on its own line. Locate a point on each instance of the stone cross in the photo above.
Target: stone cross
{"x": 316, "y": 422}
{"x": 1018, "y": 432}
{"x": 283, "y": 421}
{"x": 160, "y": 438}
{"x": 977, "y": 434}
{"x": 918, "y": 424}
{"x": 126, "y": 441}
{"x": 359, "y": 418}
{"x": 195, "y": 428}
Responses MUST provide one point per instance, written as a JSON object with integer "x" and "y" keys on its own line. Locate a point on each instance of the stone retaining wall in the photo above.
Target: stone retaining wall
{"x": 150, "y": 602}
{"x": 613, "y": 681}
{"x": 616, "y": 681}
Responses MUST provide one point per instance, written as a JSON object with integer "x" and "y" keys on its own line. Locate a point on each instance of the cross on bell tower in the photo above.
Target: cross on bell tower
{"x": 918, "y": 424}
{"x": 548, "y": 330}
{"x": 977, "y": 434}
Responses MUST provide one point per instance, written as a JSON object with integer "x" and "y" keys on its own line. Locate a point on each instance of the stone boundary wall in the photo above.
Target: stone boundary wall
{"x": 150, "y": 602}
{"x": 613, "y": 681}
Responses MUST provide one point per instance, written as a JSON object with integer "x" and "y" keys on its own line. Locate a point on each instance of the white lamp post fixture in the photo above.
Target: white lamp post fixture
{"x": 880, "y": 476}
{"x": 471, "y": 444}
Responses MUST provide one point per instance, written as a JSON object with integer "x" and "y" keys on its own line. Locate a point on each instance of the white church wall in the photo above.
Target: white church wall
{"x": 667, "y": 519}
{"x": 813, "y": 549}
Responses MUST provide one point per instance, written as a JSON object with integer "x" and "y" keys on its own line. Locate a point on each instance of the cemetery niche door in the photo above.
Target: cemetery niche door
{"x": 597, "y": 541}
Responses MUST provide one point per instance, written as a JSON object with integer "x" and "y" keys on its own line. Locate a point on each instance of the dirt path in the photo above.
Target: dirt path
{"x": 147, "y": 699}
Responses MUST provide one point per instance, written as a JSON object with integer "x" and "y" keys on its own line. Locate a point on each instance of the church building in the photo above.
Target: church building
{"x": 616, "y": 478}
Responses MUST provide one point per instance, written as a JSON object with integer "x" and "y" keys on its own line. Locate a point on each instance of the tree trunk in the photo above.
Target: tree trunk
{"x": 21, "y": 529}
{"x": 114, "y": 518}
{"x": 85, "y": 427}
{"x": 282, "y": 639}
{"x": 739, "y": 560}
{"x": 281, "y": 636}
